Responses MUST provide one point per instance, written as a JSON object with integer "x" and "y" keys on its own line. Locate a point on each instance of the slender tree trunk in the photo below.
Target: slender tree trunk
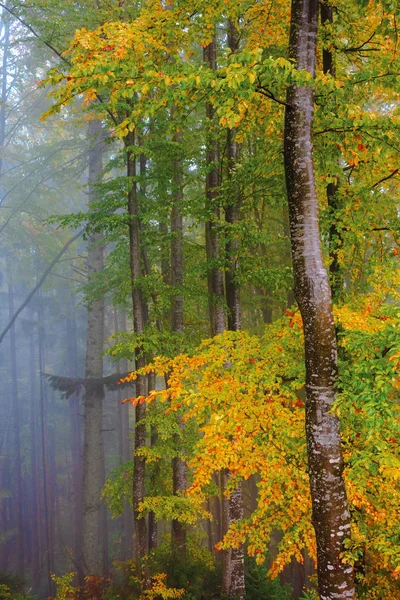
{"x": 103, "y": 524}
{"x": 331, "y": 518}
{"x": 94, "y": 392}
{"x": 46, "y": 511}
{"x": 123, "y": 445}
{"x": 335, "y": 236}
{"x": 138, "y": 324}
{"x": 153, "y": 525}
{"x": 233, "y": 566}
{"x": 35, "y": 539}
{"x": 16, "y": 411}
{"x": 213, "y": 249}
{"x": 76, "y": 446}
{"x": 178, "y": 327}
{"x": 4, "y": 85}
{"x": 232, "y": 214}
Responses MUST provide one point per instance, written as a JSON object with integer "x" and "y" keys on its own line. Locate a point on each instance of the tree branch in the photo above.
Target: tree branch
{"x": 35, "y": 33}
{"x": 392, "y": 174}
{"x": 38, "y": 285}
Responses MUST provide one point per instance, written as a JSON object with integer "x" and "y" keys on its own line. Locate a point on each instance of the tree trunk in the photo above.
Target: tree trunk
{"x": 4, "y": 94}
{"x": 178, "y": 327}
{"x": 232, "y": 211}
{"x": 233, "y": 579}
{"x": 335, "y": 236}
{"x": 94, "y": 392}
{"x": 47, "y": 503}
{"x": 153, "y": 526}
{"x": 16, "y": 415}
{"x": 76, "y": 445}
{"x": 330, "y": 513}
{"x": 215, "y": 274}
{"x": 34, "y": 508}
{"x": 123, "y": 446}
{"x": 138, "y": 324}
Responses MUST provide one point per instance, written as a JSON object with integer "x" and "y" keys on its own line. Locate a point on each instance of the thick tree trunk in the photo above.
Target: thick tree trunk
{"x": 331, "y": 518}
{"x": 138, "y": 324}
{"x": 94, "y": 392}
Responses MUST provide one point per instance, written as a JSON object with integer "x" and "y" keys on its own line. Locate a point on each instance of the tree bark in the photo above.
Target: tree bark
{"x": 215, "y": 274}
{"x": 47, "y": 496}
{"x": 76, "y": 445}
{"x": 335, "y": 236}
{"x": 94, "y": 392}
{"x": 178, "y": 327}
{"x": 16, "y": 415}
{"x": 330, "y": 513}
{"x": 34, "y": 508}
{"x": 138, "y": 324}
{"x": 123, "y": 445}
{"x": 234, "y": 582}
{"x": 232, "y": 213}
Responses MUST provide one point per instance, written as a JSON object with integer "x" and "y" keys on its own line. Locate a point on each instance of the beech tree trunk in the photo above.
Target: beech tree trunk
{"x": 330, "y": 513}
{"x": 178, "y": 327}
{"x": 215, "y": 274}
{"x": 233, "y": 576}
{"x": 232, "y": 211}
{"x": 48, "y": 525}
{"x": 76, "y": 445}
{"x": 94, "y": 392}
{"x": 138, "y": 324}
{"x": 123, "y": 445}
{"x": 34, "y": 507}
{"x": 335, "y": 236}
{"x": 16, "y": 416}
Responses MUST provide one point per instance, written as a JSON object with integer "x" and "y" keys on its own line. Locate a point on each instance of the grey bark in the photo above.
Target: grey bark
{"x": 16, "y": 416}
{"x": 233, "y": 577}
{"x": 94, "y": 392}
{"x": 335, "y": 236}
{"x": 35, "y": 539}
{"x": 123, "y": 445}
{"x": 215, "y": 274}
{"x": 76, "y": 446}
{"x": 48, "y": 525}
{"x": 178, "y": 327}
{"x": 138, "y": 324}
{"x": 330, "y": 513}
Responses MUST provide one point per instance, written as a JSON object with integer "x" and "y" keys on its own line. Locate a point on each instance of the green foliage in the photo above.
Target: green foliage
{"x": 118, "y": 487}
{"x": 195, "y": 571}
{"x": 12, "y": 588}
{"x": 260, "y": 587}
{"x": 64, "y": 587}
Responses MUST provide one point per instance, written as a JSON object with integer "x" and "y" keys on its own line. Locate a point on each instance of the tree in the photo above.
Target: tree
{"x": 331, "y": 516}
